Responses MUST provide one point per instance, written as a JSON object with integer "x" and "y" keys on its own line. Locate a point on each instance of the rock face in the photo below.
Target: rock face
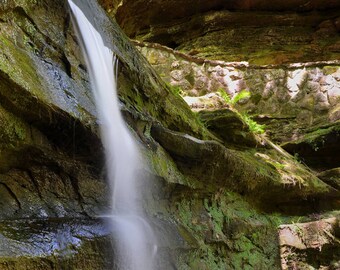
{"x": 214, "y": 205}
{"x": 272, "y": 33}
{"x": 294, "y": 96}
{"x": 47, "y": 117}
{"x": 50, "y": 162}
{"x": 286, "y": 55}
{"x": 310, "y": 244}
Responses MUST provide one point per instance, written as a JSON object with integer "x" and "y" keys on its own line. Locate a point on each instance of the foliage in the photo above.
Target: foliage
{"x": 225, "y": 96}
{"x": 239, "y": 96}
{"x": 253, "y": 125}
{"x": 216, "y": 215}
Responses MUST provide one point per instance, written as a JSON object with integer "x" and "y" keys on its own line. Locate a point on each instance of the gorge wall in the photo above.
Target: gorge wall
{"x": 285, "y": 54}
{"x": 215, "y": 201}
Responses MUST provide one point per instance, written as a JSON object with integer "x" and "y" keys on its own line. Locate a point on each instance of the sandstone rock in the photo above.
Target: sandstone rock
{"x": 177, "y": 75}
{"x": 51, "y": 156}
{"x": 228, "y": 126}
{"x": 318, "y": 147}
{"x": 273, "y": 91}
{"x": 307, "y": 103}
{"x": 312, "y": 87}
{"x": 311, "y": 244}
{"x": 320, "y": 97}
{"x": 209, "y": 101}
{"x": 200, "y": 28}
{"x": 334, "y": 95}
{"x": 331, "y": 177}
{"x": 322, "y": 107}
{"x": 335, "y": 114}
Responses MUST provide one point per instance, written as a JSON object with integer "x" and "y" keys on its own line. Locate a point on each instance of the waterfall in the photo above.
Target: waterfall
{"x": 133, "y": 237}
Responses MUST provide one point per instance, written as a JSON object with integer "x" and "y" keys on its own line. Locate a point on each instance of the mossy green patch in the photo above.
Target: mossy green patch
{"x": 14, "y": 130}
{"x": 11, "y": 58}
{"x": 316, "y": 138}
{"x": 234, "y": 234}
{"x": 328, "y": 70}
{"x": 253, "y": 125}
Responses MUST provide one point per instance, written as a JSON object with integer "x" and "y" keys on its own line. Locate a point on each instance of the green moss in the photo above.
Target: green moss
{"x": 317, "y": 137}
{"x": 253, "y": 125}
{"x": 176, "y": 90}
{"x": 14, "y": 130}
{"x": 12, "y": 57}
{"x": 256, "y": 98}
{"x": 328, "y": 70}
{"x": 216, "y": 215}
{"x": 236, "y": 236}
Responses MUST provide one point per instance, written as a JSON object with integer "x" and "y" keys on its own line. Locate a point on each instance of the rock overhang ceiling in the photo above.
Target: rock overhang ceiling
{"x": 264, "y": 32}
{"x": 142, "y": 13}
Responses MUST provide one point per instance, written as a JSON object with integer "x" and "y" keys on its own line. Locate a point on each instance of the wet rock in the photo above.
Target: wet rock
{"x": 58, "y": 243}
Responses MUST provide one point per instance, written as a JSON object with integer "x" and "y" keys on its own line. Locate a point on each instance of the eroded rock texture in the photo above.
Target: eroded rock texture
{"x": 286, "y": 54}
{"x": 313, "y": 244}
{"x": 260, "y": 32}
{"x": 215, "y": 203}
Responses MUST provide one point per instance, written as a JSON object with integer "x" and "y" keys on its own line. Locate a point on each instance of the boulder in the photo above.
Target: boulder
{"x": 310, "y": 245}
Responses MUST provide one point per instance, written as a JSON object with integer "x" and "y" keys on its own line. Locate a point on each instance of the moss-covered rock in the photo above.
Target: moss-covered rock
{"x": 229, "y": 126}
{"x": 212, "y": 205}
{"x": 217, "y": 30}
{"x": 331, "y": 177}
{"x": 318, "y": 147}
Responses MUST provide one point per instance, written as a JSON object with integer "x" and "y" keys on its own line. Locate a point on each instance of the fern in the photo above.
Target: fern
{"x": 225, "y": 96}
{"x": 232, "y": 101}
{"x": 253, "y": 125}
{"x": 240, "y": 95}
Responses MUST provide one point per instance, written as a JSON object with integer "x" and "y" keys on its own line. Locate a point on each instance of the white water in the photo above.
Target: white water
{"x": 134, "y": 240}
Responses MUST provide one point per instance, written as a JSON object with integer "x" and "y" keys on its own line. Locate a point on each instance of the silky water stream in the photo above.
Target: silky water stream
{"x": 134, "y": 241}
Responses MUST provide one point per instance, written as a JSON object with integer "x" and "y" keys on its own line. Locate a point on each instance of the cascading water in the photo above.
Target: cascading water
{"x": 134, "y": 240}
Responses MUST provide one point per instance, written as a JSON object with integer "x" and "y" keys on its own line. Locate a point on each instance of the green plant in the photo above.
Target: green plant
{"x": 224, "y": 95}
{"x": 216, "y": 214}
{"x": 253, "y": 125}
{"x": 240, "y": 95}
